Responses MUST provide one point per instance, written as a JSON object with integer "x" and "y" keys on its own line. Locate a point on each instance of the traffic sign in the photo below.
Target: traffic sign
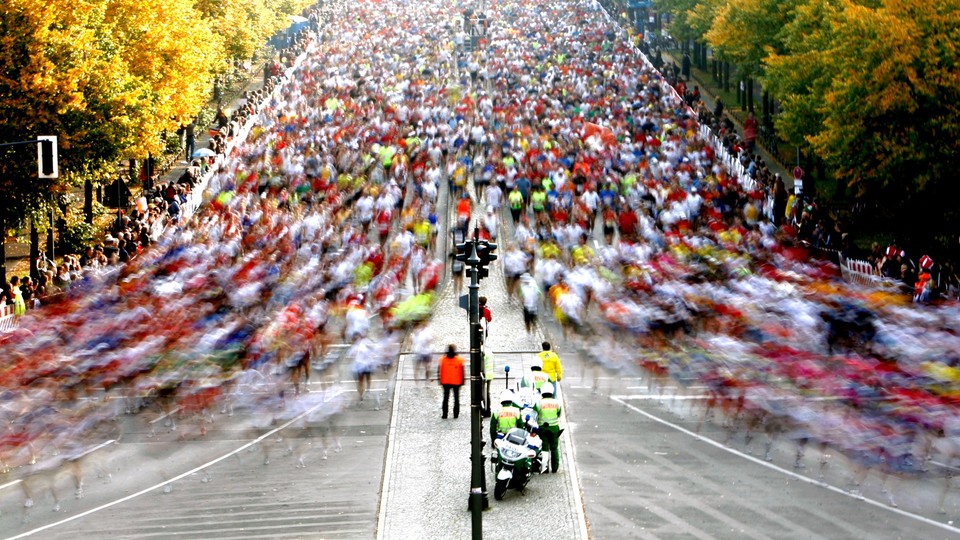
{"x": 797, "y": 172}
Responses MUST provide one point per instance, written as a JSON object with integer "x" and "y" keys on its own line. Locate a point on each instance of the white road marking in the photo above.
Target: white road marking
{"x": 164, "y": 415}
{"x": 85, "y": 453}
{"x": 800, "y": 477}
{"x": 388, "y": 465}
{"x": 937, "y": 463}
{"x": 170, "y": 481}
{"x": 11, "y": 484}
{"x": 97, "y": 447}
{"x": 646, "y": 397}
{"x": 570, "y": 457}
{"x": 651, "y": 397}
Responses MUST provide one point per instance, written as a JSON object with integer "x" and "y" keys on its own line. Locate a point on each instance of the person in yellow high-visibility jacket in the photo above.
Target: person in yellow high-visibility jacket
{"x": 551, "y": 363}
{"x": 548, "y": 414}
{"x": 488, "y": 375}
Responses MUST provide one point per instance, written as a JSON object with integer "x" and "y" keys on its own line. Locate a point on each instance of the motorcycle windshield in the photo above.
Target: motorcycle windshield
{"x": 517, "y": 436}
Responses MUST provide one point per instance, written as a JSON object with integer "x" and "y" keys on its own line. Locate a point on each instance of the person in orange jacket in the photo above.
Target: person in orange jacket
{"x": 451, "y": 378}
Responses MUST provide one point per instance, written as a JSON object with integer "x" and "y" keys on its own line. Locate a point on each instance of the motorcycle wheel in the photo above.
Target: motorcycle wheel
{"x": 500, "y": 489}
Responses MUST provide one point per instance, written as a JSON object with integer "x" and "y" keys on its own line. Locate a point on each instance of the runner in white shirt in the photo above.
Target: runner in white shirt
{"x": 493, "y": 196}
{"x": 364, "y": 209}
{"x": 548, "y": 271}
{"x": 592, "y": 200}
{"x": 515, "y": 263}
{"x": 421, "y": 343}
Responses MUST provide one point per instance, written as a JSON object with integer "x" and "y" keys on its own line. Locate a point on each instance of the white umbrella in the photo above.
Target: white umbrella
{"x": 204, "y": 152}
{"x": 297, "y": 19}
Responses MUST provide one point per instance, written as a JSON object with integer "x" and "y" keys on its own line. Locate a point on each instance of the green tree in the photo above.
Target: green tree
{"x": 685, "y": 21}
{"x": 246, "y": 24}
{"x": 746, "y": 31}
{"x": 872, "y": 87}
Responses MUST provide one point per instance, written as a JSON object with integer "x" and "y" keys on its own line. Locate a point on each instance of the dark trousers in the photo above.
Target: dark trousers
{"x": 486, "y": 405}
{"x": 190, "y": 148}
{"x": 456, "y": 399}
{"x": 551, "y": 443}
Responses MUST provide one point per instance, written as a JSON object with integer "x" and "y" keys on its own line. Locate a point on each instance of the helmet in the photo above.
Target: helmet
{"x": 506, "y": 397}
{"x": 536, "y": 364}
{"x": 525, "y": 397}
{"x": 546, "y": 389}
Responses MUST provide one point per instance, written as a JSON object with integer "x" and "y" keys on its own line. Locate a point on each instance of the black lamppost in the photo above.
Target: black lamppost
{"x": 477, "y": 255}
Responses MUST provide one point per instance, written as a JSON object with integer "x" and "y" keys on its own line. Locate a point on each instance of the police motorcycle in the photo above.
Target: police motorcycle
{"x": 516, "y": 453}
{"x": 527, "y": 397}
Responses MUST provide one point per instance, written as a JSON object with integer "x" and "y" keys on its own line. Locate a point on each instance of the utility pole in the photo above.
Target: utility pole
{"x": 47, "y": 167}
{"x": 477, "y": 255}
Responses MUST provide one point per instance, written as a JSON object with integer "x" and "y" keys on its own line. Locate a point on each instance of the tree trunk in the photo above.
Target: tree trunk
{"x": 88, "y": 201}
{"x": 34, "y": 250}
{"x": 132, "y": 171}
{"x": 841, "y": 192}
{"x": 50, "y": 231}
{"x": 62, "y": 218}
{"x": 3, "y": 243}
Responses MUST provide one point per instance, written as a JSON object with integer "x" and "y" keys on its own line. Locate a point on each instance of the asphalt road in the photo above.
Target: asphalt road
{"x": 646, "y": 473}
{"x": 178, "y": 484}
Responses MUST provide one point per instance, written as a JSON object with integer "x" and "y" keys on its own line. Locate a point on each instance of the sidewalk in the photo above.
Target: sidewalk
{"x": 427, "y": 471}
{"x": 203, "y": 137}
{"x": 710, "y": 101}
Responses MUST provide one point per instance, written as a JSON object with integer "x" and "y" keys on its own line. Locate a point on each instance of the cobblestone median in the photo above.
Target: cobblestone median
{"x": 427, "y": 480}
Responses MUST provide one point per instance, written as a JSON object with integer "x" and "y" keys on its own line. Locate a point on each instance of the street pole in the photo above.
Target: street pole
{"x": 52, "y": 231}
{"x": 3, "y": 244}
{"x": 478, "y": 501}
{"x": 476, "y": 254}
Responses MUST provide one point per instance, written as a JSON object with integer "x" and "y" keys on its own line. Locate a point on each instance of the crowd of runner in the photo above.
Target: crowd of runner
{"x": 621, "y": 220}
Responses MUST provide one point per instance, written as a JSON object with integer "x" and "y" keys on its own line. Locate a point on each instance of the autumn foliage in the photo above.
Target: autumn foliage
{"x": 109, "y": 77}
{"x": 872, "y": 87}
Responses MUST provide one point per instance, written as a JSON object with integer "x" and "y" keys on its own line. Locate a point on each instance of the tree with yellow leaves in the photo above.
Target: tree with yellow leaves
{"x": 108, "y": 77}
{"x": 872, "y": 87}
{"x": 746, "y": 31}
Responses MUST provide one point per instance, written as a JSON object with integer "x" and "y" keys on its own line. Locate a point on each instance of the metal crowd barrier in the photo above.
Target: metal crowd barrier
{"x": 7, "y": 319}
{"x": 861, "y": 272}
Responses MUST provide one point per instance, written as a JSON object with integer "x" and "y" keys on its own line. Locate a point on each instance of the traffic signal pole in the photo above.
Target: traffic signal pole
{"x": 478, "y": 489}
{"x": 476, "y": 255}
{"x": 47, "y": 167}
